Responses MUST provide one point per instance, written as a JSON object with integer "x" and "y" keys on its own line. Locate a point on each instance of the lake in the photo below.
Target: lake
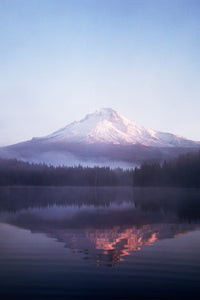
{"x": 99, "y": 243}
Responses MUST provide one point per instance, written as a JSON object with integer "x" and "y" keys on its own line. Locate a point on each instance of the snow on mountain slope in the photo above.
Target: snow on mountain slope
{"x": 107, "y": 126}
{"x": 104, "y": 138}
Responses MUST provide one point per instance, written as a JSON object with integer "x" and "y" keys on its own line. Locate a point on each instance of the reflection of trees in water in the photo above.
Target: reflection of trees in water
{"x": 14, "y": 199}
{"x": 107, "y": 245}
{"x": 105, "y": 235}
{"x": 184, "y": 203}
{"x": 104, "y": 224}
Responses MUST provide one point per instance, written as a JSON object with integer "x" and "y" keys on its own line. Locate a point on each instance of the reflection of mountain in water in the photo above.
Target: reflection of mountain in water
{"x": 108, "y": 245}
{"x": 104, "y": 225}
{"x": 113, "y": 244}
{"x": 104, "y": 245}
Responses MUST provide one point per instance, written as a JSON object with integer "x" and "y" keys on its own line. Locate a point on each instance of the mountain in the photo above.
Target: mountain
{"x": 107, "y": 126}
{"x": 102, "y": 138}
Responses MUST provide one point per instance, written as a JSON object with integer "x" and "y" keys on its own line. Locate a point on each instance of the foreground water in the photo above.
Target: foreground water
{"x": 99, "y": 243}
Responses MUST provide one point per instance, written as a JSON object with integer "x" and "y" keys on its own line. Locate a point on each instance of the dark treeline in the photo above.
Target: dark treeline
{"x": 183, "y": 171}
{"x": 13, "y": 172}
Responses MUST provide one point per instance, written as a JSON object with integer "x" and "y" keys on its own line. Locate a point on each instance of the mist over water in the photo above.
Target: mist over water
{"x": 99, "y": 243}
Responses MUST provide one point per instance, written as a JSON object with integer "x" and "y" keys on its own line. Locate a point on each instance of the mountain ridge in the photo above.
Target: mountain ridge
{"x": 106, "y": 125}
{"x": 103, "y": 138}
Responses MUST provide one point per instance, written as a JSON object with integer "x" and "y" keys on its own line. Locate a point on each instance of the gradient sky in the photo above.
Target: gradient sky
{"x": 62, "y": 59}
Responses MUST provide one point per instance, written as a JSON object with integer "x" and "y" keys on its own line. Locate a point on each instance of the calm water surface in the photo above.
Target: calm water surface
{"x": 99, "y": 243}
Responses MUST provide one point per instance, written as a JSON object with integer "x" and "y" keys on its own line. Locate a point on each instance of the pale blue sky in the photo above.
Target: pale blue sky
{"x": 62, "y": 59}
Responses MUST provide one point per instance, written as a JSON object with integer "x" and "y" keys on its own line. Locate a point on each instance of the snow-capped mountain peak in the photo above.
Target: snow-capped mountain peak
{"x": 107, "y": 126}
{"x": 101, "y": 138}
